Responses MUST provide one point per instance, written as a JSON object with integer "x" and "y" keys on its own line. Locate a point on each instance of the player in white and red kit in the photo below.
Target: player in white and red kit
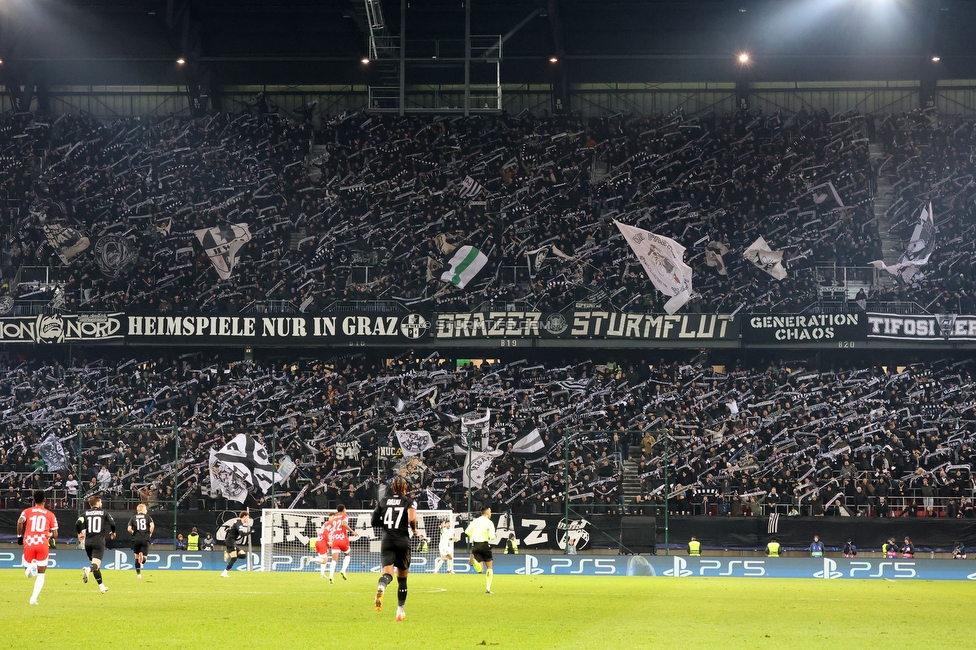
{"x": 339, "y": 532}
{"x": 322, "y": 546}
{"x": 35, "y": 528}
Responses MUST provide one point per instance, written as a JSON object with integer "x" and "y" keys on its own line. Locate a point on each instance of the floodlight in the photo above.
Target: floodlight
{"x": 744, "y": 57}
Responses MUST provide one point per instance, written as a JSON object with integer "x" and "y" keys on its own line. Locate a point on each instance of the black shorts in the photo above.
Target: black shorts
{"x": 233, "y": 548}
{"x": 481, "y": 551}
{"x": 94, "y": 551}
{"x": 140, "y": 546}
{"x": 395, "y": 552}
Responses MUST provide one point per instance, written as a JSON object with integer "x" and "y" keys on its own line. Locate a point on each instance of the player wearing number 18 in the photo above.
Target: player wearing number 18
{"x": 92, "y": 527}
{"x": 141, "y": 528}
{"x": 35, "y": 528}
{"x": 396, "y": 515}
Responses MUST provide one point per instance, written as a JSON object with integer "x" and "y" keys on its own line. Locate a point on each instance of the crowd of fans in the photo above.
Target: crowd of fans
{"x": 714, "y": 440}
{"x": 932, "y": 161}
{"x": 398, "y": 195}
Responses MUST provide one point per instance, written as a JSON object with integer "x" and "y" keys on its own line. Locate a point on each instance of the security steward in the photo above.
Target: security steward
{"x": 694, "y": 547}
{"x": 772, "y": 549}
{"x": 193, "y": 540}
{"x": 511, "y": 544}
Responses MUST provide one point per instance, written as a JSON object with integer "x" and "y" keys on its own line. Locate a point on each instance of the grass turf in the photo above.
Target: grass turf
{"x": 170, "y": 609}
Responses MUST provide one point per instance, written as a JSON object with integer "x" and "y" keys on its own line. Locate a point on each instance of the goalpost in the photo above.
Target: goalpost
{"x": 288, "y": 539}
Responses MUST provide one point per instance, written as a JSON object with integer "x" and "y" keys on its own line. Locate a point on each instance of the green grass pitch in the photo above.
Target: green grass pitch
{"x": 173, "y": 609}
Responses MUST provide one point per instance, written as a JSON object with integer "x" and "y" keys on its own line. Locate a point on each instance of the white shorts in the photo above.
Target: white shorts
{"x": 446, "y": 549}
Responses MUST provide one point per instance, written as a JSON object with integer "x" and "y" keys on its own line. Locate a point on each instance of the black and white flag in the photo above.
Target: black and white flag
{"x": 530, "y": 444}
{"x": 469, "y": 188}
{"x": 765, "y": 258}
{"x": 222, "y": 244}
{"x": 414, "y": 443}
{"x": 247, "y": 459}
{"x": 51, "y": 451}
{"x": 67, "y": 242}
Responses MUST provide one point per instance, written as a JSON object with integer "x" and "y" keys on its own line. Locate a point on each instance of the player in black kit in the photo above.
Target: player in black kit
{"x": 141, "y": 528}
{"x": 236, "y": 535}
{"x": 397, "y": 516}
{"x": 92, "y": 527}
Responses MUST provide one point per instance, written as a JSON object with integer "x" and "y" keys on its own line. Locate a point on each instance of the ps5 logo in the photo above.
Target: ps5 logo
{"x": 531, "y": 567}
{"x": 971, "y": 576}
{"x": 680, "y": 569}
{"x": 830, "y": 571}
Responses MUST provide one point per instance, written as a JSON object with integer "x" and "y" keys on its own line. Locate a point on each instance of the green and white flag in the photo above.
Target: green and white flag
{"x": 465, "y": 264}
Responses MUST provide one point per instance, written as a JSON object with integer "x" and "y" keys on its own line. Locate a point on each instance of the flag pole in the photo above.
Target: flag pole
{"x": 176, "y": 479}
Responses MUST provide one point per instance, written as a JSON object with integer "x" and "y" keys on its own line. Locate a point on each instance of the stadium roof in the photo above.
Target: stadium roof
{"x": 82, "y": 42}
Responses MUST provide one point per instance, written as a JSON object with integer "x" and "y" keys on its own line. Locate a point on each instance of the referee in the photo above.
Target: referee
{"x": 481, "y": 532}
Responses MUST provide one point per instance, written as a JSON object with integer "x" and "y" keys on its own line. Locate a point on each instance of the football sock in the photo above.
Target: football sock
{"x": 230, "y": 564}
{"x": 345, "y": 563}
{"x": 450, "y": 566}
{"x": 385, "y": 579}
{"x": 401, "y": 591}
{"x": 138, "y": 567}
{"x": 332, "y": 564}
{"x": 98, "y": 575}
{"x": 489, "y": 574}
{"x": 38, "y": 583}
{"x": 437, "y": 565}
{"x": 322, "y": 568}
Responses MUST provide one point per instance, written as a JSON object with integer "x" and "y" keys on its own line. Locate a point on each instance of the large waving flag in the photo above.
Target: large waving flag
{"x": 765, "y": 258}
{"x": 222, "y": 244}
{"x": 662, "y": 259}
{"x": 465, "y": 264}
{"x": 918, "y": 251}
{"x": 242, "y": 462}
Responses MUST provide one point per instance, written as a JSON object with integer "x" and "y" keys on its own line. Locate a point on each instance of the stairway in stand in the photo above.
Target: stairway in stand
{"x": 630, "y": 483}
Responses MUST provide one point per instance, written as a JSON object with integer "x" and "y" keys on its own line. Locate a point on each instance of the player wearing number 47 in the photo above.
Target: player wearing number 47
{"x": 394, "y": 514}
{"x": 92, "y": 527}
{"x": 141, "y": 528}
{"x": 36, "y": 528}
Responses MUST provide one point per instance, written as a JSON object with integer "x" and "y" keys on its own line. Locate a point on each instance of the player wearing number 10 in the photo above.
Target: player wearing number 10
{"x": 35, "y": 527}
{"x": 92, "y": 528}
{"x": 394, "y": 514}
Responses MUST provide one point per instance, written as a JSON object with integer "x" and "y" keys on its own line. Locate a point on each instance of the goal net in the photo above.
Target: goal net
{"x": 288, "y": 539}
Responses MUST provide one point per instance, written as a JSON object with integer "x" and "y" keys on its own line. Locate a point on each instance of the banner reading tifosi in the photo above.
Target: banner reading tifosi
{"x": 804, "y": 328}
{"x": 931, "y": 327}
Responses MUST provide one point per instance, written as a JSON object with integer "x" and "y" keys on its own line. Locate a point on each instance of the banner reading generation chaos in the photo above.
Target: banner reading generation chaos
{"x": 804, "y": 328}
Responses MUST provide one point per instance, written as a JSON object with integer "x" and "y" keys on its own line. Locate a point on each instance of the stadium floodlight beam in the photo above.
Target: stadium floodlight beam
{"x": 180, "y": 61}
{"x": 553, "y": 59}
{"x": 743, "y": 57}
{"x": 364, "y": 60}
{"x": 936, "y": 59}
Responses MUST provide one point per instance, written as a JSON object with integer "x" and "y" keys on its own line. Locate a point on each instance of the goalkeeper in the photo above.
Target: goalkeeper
{"x": 481, "y": 532}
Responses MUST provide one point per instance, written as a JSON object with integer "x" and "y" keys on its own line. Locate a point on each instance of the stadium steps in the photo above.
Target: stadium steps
{"x": 630, "y": 481}
{"x": 891, "y": 246}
